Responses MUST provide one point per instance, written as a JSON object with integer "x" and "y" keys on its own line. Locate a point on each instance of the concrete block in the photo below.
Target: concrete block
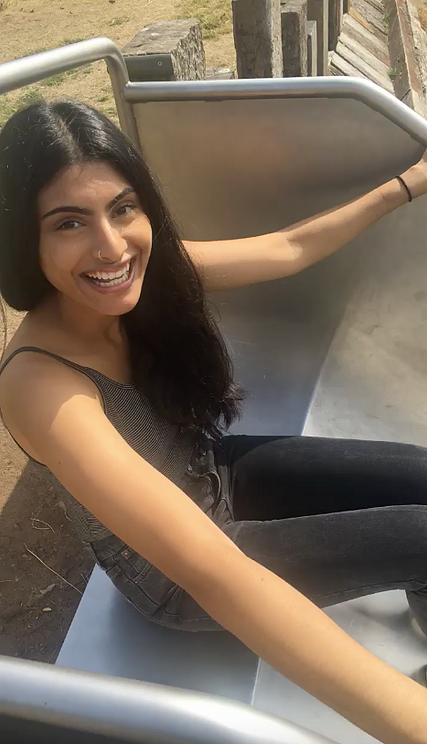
{"x": 178, "y": 42}
{"x": 318, "y": 10}
{"x": 257, "y": 38}
{"x": 311, "y": 48}
{"x": 294, "y": 38}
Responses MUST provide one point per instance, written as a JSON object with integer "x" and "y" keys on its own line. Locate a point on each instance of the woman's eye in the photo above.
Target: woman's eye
{"x": 68, "y": 225}
{"x": 122, "y": 209}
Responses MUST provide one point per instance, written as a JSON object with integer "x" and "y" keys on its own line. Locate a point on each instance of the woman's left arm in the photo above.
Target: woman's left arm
{"x": 225, "y": 264}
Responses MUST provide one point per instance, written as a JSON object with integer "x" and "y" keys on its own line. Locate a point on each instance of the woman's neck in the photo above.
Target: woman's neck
{"x": 79, "y": 322}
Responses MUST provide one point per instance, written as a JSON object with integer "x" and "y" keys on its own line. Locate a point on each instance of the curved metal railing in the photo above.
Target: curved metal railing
{"x": 134, "y": 711}
{"x": 36, "y": 67}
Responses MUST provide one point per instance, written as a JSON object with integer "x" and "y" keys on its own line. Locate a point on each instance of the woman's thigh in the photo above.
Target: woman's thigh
{"x": 338, "y": 556}
{"x": 283, "y": 477}
{"x": 337, "y": 519}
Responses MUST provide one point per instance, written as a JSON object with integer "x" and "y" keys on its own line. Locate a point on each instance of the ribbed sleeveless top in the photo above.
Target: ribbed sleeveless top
{"x": 165, "y": 446}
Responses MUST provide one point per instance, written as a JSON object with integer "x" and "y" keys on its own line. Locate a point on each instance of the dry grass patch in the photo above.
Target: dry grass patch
{"x": 30, "y": 26}
{"x": 215, "y": 16}
{"x": 422, "y": 13}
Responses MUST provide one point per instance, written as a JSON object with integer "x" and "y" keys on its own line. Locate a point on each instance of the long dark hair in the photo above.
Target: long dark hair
{"x": 178, "y": 356}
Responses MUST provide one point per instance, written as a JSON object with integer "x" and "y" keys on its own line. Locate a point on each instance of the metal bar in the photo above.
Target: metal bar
{"x": 135, "y": 711}
{"x": 22, "y": 72}
{"x": 320, "y": 87}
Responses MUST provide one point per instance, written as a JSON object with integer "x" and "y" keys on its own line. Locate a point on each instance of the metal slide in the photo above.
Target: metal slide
{"x": 339, "y": 350}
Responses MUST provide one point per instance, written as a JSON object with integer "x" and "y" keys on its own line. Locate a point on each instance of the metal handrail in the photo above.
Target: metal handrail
{"x": 135, "y": 711}
{"x": 36, "y": 67}
{"x": 366, "y": 92}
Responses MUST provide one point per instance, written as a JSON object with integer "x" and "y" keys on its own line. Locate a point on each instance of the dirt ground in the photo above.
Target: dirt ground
{"x": 43, "y": 567}
{"x": 37, "y": 600}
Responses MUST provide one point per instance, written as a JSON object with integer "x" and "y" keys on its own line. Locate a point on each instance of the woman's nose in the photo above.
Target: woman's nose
{"x": 110, "y": 243}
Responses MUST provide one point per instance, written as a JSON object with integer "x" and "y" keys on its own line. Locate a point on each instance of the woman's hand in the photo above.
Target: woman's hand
{"x": 416, "y": 177}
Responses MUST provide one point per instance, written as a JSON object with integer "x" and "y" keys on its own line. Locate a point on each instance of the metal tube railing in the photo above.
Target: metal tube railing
{"x": 32, "y": 69}
{"x": 314, "y": 87}
{"x": 134, "y": 711}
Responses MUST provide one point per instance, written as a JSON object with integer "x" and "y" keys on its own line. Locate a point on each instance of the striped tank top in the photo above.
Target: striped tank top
{"x": 165, "y": 446}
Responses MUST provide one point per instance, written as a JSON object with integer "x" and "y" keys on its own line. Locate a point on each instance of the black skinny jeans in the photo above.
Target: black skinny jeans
{"x": 337, "y": 519}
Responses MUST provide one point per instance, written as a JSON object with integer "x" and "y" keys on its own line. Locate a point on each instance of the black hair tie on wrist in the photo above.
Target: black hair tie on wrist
{"x": 399, "y": 178}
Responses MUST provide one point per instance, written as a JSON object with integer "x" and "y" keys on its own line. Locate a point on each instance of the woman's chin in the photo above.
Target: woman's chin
{"x": 119, "y": 306}
{"x": 113, "y": 303}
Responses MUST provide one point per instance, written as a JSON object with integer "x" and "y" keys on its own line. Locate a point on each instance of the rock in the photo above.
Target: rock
{"x": 48, "y": 589}
{"x": 182, "y": 40}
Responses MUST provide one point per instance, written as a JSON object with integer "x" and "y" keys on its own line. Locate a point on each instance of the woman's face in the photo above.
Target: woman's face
{"x": 89, "y": 213}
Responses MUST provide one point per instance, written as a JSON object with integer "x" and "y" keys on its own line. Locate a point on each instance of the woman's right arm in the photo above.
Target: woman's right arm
{"x": 57, "y": 411}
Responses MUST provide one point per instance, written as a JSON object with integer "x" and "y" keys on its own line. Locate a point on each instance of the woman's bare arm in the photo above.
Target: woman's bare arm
{"x": 57, "y": 410}
{"x": 224, "y": 264}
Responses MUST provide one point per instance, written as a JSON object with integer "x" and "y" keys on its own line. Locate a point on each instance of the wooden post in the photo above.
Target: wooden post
{"x": 311, "y": 48}
{"x": 294, "y": 38}
{"x": 318, "y": 10}
{"x": 336, "y": 9}
{"x": 257, "y": 38}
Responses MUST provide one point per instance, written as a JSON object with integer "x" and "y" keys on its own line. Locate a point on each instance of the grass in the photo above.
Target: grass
{"x": 422, "y": 14}
{"x": 55, "y": 79}
{"x": 214, "y": 15}
{"x": 386, "y": 22}
{"x": 118, "y": 21}
{"x": 9, "y": 105}
{"x": 70, "y": 21}
{"x": 72, "y": 41}
{"x": 392, "y": 74}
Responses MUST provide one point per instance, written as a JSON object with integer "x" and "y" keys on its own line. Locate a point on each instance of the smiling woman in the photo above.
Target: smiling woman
{"x": 90, "y": 206}
{"x": 70, "y": 236}
{"x": 118, "y": 380}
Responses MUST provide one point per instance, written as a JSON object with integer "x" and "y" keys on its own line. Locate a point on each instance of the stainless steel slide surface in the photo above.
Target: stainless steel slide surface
{"x": 55, "y": 700}
{"x": 108, "y": 636}
{"x": 246, "y": 166}
{"x": 256, "y": 156}
{"x": 338, "y": 350}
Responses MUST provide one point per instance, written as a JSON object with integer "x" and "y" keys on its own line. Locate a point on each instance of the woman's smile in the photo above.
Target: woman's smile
{"x": 111, "y": 280}
{"x": 95, "y": 239}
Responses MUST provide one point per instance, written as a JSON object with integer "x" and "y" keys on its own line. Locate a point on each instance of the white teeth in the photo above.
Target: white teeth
{"x": 110, "y": 279}
{"x": 109, "y": 275}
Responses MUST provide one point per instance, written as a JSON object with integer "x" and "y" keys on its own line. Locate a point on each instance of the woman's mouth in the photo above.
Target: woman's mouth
{"x": 111, "y": 280}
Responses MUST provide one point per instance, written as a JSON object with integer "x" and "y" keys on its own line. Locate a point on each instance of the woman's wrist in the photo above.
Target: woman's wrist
{"x": 416, "y": 178}
{"x": 394, "y": 194}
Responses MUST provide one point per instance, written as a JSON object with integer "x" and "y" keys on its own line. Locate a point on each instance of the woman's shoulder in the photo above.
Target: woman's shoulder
{"x": 34, "y": 357}
{"x": 34, "y": 393}
{"x": 29, "y": 378}
{"x": 29, "y": 332}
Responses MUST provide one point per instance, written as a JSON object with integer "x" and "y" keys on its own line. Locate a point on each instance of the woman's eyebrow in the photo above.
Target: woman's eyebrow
{"x": 83, "y": 210}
